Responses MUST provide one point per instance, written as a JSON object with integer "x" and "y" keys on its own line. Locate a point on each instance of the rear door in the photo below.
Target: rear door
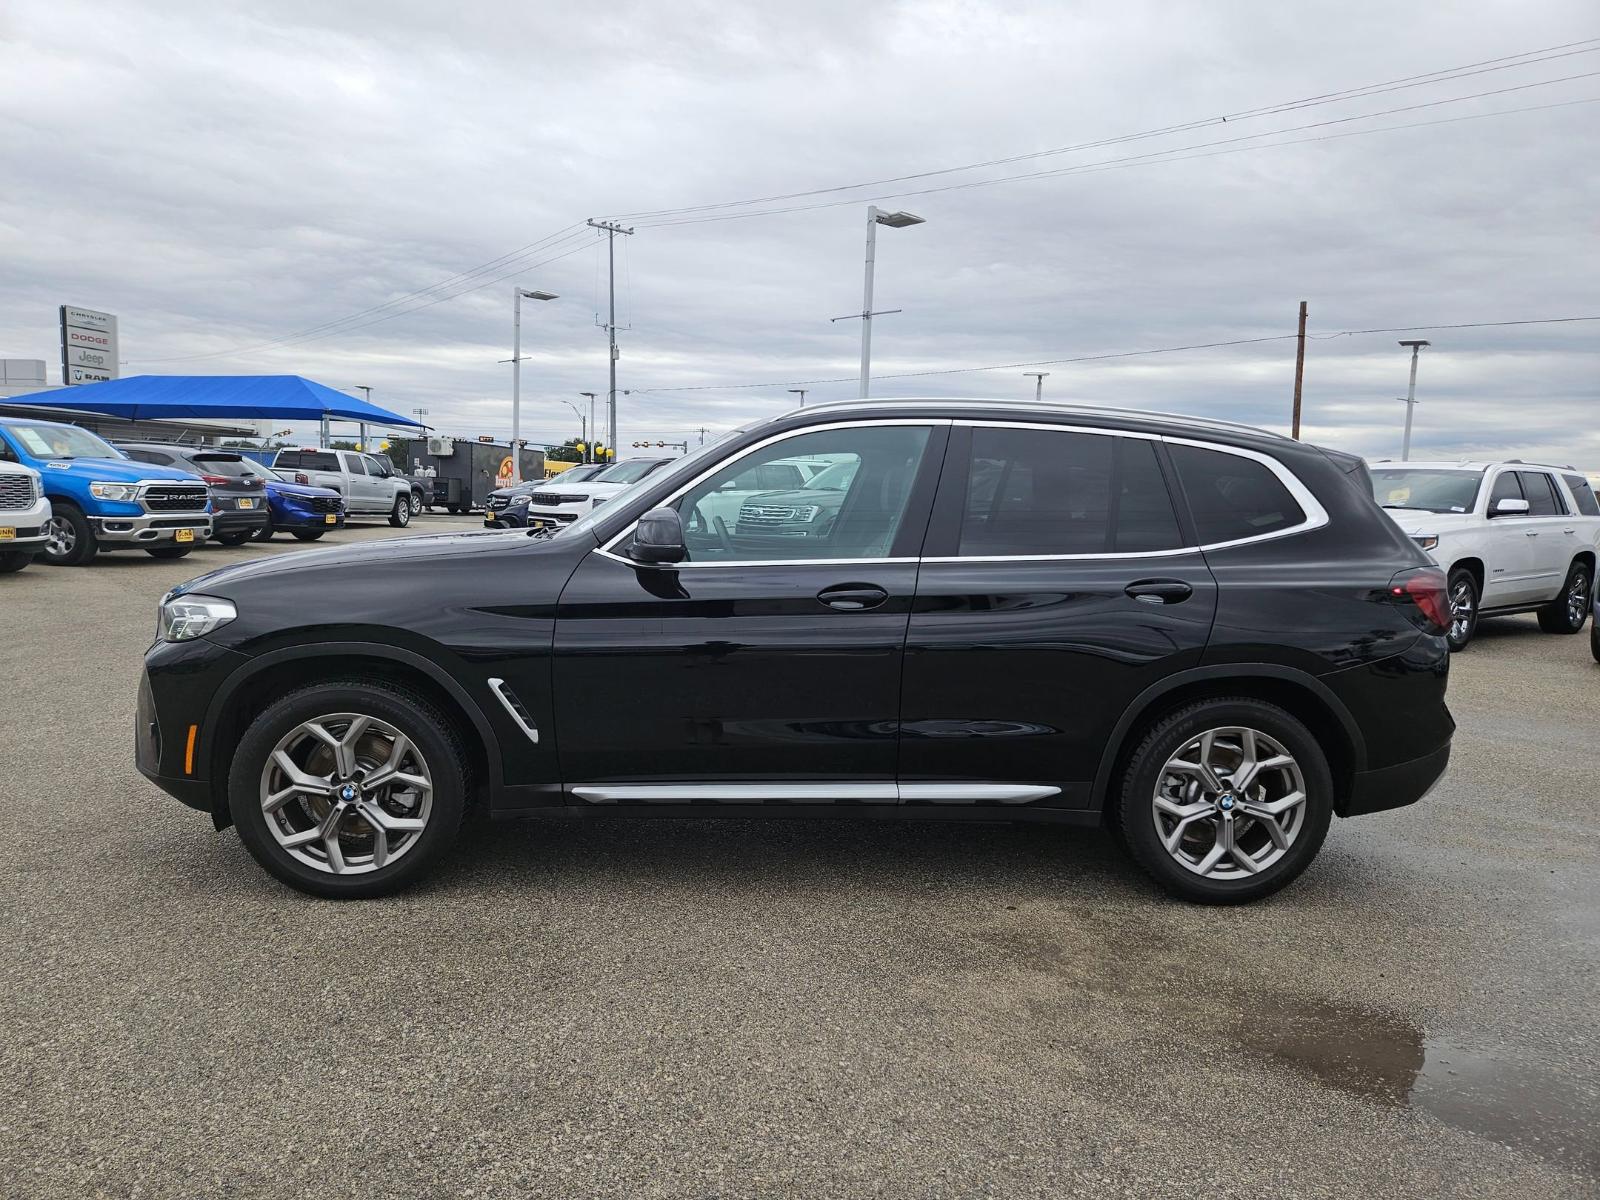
{"x": 1058, "y": 582}
{"x": 1554, "y": 542}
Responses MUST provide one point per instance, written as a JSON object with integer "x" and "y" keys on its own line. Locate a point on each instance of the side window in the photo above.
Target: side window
{"x": 146, "y": 456}
{"x": 1033, "y": 492}
{"x": 1583, "y": 494}
{"x": 1506, "y": 487}
{"x": 287, "y": 458}
{"x": 354, "y": 465}
{"x": 857, "y": 515}
{"x": 7, "y": 454}
{"x": 1539, "y": 490}
{"x": 1233, "y": 497}
{"x": 372, "y": 465}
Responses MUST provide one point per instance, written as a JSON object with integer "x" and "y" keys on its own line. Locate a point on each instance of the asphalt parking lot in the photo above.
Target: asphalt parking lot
{"x": 812, "y": 1009}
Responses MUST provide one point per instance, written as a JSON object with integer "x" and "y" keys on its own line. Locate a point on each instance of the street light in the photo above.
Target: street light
{"x": 588, "y": 451}
{"x": 894, "y": 220}
{"x": 1038, "y": 388}
{"x": 801, "y": 392}
{"x": 1411, "y": 397}
{"x": 583, "y": 422}
{"x": 518, "y": 295}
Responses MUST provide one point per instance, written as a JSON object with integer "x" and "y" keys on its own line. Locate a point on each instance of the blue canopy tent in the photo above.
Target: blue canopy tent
{"x": 216, "y": 397}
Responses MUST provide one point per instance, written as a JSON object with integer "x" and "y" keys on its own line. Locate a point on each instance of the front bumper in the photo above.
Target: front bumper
{"x": 527, "y": 516}
{"x": 1396, "y": 786}
{"x": 295, "y": 518}
{"x": 175, "y": 691}
{"x": 26, "y": 526}
{"x": 150, "y": 528}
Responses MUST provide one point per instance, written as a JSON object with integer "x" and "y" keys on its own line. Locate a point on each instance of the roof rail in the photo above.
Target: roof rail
{"x": 1048, "y": 407}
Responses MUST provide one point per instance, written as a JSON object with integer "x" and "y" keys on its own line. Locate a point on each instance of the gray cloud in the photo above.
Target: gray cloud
{"x": 222, "y": 178}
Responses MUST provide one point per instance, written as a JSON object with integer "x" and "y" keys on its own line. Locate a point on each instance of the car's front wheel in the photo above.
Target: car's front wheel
{"x": 1226, "y": 800}
{"x": 13, "y": 560}
{"x": 416, "y": 503}
{"x": 170, "y": 552}
{"x": 69, "y": 540}
{"x": 1463, "y": 590}
{"x": 307, "y": 535}
{"x": 1570, "y": 609}
{"x": 400, "y": 514}
{"x": 349, "y": 789}
{"x": 234, "y": 537}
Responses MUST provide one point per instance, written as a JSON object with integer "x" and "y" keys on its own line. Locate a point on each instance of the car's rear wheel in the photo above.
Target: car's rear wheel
{"x": 400, "y": 514}
{"x": 13, "y": 560}
{"x": 234, "y": 537}
{"x": 1226, "y": 800}
{"x": 349, "y": 789}
{"x": 1570, "y": 609}
{"x": 307, "y": 535}
{"x": 170, "y": 552}
{"x": 264, "y": 534}
{"x": 1463, "y": 589}
{"x": 416, "y": 503}
{"x": 69, "y": 541}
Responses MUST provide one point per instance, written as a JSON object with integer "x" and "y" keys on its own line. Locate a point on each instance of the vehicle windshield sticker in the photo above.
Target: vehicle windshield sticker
{"x": 1399, "y": 495}
{"x": 35, "y": 443}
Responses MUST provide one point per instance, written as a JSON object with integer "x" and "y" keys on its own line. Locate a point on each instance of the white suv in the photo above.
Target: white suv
{"x": 1512, "y": 536}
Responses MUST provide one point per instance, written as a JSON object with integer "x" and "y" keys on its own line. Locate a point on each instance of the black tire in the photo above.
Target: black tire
{"x": 74, "y": 543}
{"x": 262, "y": 535}
{"x": 1594, "y": 640}
{"x": 452, "y": 508}
{"x": 307, "y": 535}
{"x": 234, "y": 537}
{"x": 13, "y": 560}
{"x": 400, "y": 514}
{"x": 1570, "y": 609}
{"x": 416, "y": 503}
{"x": 1135, "y": 810}
{"x": 170, "y": 552}
{"x": 1463, "y": 586}
{"x": 431, "y": 733}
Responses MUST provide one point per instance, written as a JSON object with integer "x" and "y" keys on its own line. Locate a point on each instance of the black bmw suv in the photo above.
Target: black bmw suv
{"x": 1207, "y": 637}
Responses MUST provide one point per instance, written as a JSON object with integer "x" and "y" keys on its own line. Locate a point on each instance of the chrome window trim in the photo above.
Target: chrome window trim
{"x": 608, "y": 550}
{"x": 861, "y": 791}
{"x": 1316, "y": 515}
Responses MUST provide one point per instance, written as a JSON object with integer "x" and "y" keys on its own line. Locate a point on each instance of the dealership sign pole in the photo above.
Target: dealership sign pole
{"x": 88, "y": 346}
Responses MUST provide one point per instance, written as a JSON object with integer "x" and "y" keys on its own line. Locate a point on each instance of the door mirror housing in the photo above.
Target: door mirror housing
{"x": 1509, "y": 507}
{"x": 658, "y": 538}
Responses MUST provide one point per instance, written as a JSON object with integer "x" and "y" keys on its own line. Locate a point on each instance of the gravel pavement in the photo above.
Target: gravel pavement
{"x": 812, "y": 1009}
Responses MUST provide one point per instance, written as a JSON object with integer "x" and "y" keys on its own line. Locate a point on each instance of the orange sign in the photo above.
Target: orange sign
{"x": 503, "y": 476}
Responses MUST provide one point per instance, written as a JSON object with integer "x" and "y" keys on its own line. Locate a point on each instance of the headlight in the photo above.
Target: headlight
{"x": 114, "y": 491}
{"x": 181, "y": 618}
{"x": 518, "y": 502}
{"x": 1427, "y": 542}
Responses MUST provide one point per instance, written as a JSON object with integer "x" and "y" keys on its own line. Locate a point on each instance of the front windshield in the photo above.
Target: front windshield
{"x": 61, "y": 441}
{"x": 678, "y": 468}
{"x": 631, "y": 471}
{"x": 1426, "y": 490}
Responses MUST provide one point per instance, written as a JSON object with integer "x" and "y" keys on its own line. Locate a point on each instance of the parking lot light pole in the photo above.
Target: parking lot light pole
{"x": 1038, "y": 384}
{"x": 588, "y": 430}
{"x": 801, "y": 392}
{"x": 517, "y": 294}
{"x": 894, "y": 220}
{"x": 1411, "y": 398}
{"x": 583, "y": 422}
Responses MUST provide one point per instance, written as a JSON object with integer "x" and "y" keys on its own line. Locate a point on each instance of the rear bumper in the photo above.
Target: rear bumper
{"x": 1394, "y": 787}
{"x": 230, "y": 519}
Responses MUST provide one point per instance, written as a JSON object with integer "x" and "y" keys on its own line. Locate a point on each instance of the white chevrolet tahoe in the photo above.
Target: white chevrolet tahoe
{"x": 24, "y": 512}
{"x": 1511, "y": 536}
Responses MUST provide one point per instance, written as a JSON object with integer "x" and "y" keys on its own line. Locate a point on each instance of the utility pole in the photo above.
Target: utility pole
{"x": 612, "y": 229}
{"x": 1411, "y": 398}
{"x": 1038, "y": 388}
{"x": 1299, "y": 371}
{"x": 588, "y": 446}
{"x": 702, "y": 435}
{"x": 801, "y": 392}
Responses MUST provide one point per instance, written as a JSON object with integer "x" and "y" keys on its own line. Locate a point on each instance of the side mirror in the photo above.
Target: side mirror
{"x": 1509, "y": 508}
{"x": 658, "y": 538}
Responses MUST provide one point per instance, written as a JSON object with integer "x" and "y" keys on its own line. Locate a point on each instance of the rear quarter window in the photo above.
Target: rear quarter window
{"x": 1583, "y": 494}
{"x": 1233, "y": 497}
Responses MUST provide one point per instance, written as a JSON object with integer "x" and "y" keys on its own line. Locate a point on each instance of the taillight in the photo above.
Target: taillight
{"x": 1423, "y": 596}
{"x": 217, "y": 480}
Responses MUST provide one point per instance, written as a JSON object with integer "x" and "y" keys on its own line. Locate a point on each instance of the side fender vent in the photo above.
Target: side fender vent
{"x": 513, "y": 705}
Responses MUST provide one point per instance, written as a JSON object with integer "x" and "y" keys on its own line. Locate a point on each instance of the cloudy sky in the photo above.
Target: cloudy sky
{"x": 350, "y": 190}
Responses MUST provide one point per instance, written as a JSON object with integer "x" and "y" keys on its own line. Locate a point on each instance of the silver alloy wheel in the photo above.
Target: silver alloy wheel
{"x": 415, "y": 504}
{"x": 1577, "y": 599}
{"x": 346, "y": 793}
{"x": 1461, "y": 605}
{"x": 1229, "y": 803}
{"x": 61, "y": 539}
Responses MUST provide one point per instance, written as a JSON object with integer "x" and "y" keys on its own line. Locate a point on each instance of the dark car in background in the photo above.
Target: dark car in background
{"x": 507, "y": 507}
{"x": 1207, "y": 637}
{"x": 238, "y": 499}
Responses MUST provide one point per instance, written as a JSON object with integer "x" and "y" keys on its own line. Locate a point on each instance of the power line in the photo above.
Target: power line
{"x": 1083, "y": 358}
{"x": 1179, "y": 153}
{"x": 1508, "y": 62}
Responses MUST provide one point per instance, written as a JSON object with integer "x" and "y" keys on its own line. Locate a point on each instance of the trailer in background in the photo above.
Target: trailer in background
{"x": 457, "y": 475}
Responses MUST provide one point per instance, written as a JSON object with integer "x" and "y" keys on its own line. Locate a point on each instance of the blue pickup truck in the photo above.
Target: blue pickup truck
{"x": 101, "y": 500}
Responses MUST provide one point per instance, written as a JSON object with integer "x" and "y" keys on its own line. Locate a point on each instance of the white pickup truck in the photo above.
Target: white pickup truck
{"x": 366, "y": 481}
{"x": 1511, "y": 536}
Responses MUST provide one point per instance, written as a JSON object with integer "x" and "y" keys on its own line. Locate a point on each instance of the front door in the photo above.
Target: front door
{"x": 767, "y": 666}
{"x": 1059, "y": 583}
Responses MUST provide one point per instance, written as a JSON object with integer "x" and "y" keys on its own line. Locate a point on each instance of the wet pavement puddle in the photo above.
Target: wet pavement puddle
{"x": 1502, "y": 1093}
